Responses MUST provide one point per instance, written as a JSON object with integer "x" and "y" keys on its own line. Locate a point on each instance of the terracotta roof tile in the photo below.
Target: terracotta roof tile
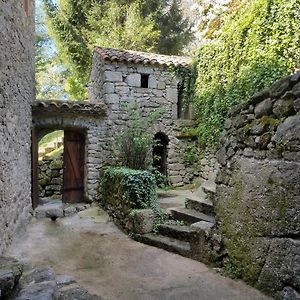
{"x": 142, "y": 57}
{"x": 68, "y": 107}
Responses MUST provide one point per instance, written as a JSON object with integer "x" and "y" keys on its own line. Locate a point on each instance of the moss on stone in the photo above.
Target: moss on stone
{"x": 269, "y": 121}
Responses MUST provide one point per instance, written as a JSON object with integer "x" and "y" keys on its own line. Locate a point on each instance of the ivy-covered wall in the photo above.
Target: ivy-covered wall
{"x": 257, "y": 201}
{"x": 256, "y": 44}
{"x": 129, "y": 197}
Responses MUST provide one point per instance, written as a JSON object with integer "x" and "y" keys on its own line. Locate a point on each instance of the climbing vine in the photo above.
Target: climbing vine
{"x": 256, "y": 45}
{"x": 187, "y": 78}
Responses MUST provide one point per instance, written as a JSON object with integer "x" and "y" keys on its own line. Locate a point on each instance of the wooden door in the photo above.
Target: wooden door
{"x": 73, "y": 173}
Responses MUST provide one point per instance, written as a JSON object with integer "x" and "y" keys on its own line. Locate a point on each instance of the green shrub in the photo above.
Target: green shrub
{"x": 129, "y": 189}
{"x": 135, "y": 143}
{"x": 257, "y": 44}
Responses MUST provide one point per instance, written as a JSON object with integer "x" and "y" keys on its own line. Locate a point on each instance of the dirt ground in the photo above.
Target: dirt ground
{"x": 108, "y": 263}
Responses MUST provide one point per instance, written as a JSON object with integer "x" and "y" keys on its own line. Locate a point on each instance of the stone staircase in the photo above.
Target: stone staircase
{"x": 50, "y": 147}
{"x": 188, "y": 227}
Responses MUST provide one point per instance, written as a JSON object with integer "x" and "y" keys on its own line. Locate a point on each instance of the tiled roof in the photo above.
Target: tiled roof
{"x": 67, "y": 107}
{"x": 144, "y": 58}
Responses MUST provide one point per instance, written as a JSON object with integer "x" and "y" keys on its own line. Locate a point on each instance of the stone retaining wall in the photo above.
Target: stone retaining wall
{"x": 258, "y": 189}
{"x": 51, "y": 176}
{"x": 16, "y": 96}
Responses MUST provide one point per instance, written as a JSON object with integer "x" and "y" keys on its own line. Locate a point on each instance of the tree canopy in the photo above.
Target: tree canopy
{"x": 144, "y": 25}
{"x": 256, "y": 44}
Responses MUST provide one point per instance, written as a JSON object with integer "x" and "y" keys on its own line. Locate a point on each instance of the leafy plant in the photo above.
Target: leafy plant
{"x": 257, "y": 44}
{"x": 160, "y": 179}
{"x": 135, "y": 143}
{"x": 187, "y": 78}
{"x": 191, "y": 155}
{"x": 137, "y": 187}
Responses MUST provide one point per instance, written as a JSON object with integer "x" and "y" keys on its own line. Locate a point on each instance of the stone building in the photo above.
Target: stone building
{"x": 16, "y": 95}
{"x": 120, "y": 77}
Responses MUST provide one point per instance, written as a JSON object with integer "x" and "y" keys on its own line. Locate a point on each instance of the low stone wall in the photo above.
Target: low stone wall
{"x": 51, "y": 176}
{"x": 126, "y": 195}
{"x": 257, "y": 200}
{"x": 208, "y": 165}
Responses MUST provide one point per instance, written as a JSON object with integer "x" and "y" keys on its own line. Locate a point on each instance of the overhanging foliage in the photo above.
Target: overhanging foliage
{"x": 258, "y": 44}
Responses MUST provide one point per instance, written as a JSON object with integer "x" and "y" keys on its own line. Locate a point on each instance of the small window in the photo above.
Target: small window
{"x": 145, "y": 81}
{"x": 180, "y": 108}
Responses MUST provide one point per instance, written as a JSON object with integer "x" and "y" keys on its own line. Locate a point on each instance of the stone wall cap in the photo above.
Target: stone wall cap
{"x": 137, "y": 57}
{"x": 68, "y": 107}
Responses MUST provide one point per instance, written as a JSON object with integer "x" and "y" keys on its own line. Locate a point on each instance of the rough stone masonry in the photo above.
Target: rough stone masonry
{"x": 258, "y": 192}
{"x": 16, "y": 96}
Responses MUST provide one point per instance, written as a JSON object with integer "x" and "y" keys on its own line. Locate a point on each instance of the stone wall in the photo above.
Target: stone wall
{"x": 118, "y": 84}
{"x": 258, "y": 189}
{"x": 16, "y": 96}
{"x": 51, "y": 176}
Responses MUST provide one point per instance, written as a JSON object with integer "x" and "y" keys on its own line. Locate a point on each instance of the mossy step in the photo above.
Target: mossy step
{"x": 202, "y": 205}
{"x": 189, "y": 216}
{"x": 167, "y": 243}
{"x": 180, "y": 232}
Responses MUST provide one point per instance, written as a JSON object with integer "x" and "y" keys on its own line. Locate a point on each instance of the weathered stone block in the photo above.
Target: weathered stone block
{"x": 176, "y": 179}
{"x": 283, "y": 108}
{"x": 113, "y": 76}
{"x": 152, "y": 82}
{"x": 112, "y": 98}
{"x": 133, "y": 80}
{"x": 264, "y": 108}
{"x": 161, "y": 85}
{"x": 172, "y": 95}
{"x": 176, "y": 167}
{"x": 108, "y": 88}
{"x": 145, "y": 70}
{"x": 143, "y": 220}
{"x": 56, "y": 165}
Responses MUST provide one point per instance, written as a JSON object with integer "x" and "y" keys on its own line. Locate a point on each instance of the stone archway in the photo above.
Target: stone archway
{"x": 83, "y": 124}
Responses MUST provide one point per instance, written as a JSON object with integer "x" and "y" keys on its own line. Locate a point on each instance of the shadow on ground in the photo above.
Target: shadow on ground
{"x": 108, "y": 263}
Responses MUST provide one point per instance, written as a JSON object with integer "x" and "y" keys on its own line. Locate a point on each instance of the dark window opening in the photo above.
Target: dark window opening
{"x": 160, "y": 152}
{"x": 180, "y": 101}
{"x": 144, "y": 81}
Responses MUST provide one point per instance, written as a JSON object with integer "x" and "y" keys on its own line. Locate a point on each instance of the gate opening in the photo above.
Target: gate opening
{"x": 58, "y": 166}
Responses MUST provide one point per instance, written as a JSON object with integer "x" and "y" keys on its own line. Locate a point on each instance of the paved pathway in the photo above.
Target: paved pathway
{"x": 111, "y": 265}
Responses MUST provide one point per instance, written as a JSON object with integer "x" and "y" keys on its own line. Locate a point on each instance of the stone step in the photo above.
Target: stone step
{"x": 209, "y": 187}
{"x": 189, "y": 216}
{"x": 202, "y": 225}
{"x": 202, "y": 205}
{"x": 167, "y": 243}
{"x": 180, "y": 232}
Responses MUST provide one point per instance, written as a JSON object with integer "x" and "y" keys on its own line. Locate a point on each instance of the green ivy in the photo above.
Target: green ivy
{"x": 257, "y": 44}
{"x": 191, "y": 155}
{"x": 138, "y": 188}
{"x": 187, "y": 78}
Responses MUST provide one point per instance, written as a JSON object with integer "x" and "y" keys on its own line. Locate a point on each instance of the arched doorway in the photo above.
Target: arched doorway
{"x": 72, "y": 168}
{"x": 160, "y": 152}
